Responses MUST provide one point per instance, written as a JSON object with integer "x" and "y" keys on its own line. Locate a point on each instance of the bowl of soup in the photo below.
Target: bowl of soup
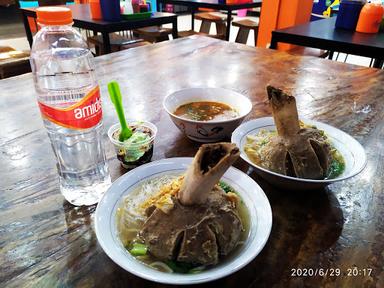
{"x": 207, "y": 114}
{"x": 119, "y": 218}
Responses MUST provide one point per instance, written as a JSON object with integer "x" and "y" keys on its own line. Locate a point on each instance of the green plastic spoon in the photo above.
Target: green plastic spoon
{"x": 115, "y": 95}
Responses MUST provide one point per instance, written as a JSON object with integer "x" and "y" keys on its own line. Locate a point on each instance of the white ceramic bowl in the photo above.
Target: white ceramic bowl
{"x": 253, "y": 196}
{"x": 204, "y": 131}
{"x": 352, "y": 151}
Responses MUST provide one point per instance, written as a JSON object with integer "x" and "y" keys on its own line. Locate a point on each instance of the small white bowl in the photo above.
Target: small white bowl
{"x": 351, "y": 150}
{"x": 259, "y": 210}
{"x": 207, "y": 131}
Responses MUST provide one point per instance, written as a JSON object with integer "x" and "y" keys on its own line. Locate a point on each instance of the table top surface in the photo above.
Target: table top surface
{"x": 81, "y": 13}
{"x": 324, "y": 29}
{"x": 46, "y": 242}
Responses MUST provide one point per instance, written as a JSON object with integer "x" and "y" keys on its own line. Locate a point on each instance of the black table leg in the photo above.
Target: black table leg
{"x": 274, "y": 42}
{"x": 229, "y": 16}
{"x": 27, "y": 29}
{"x": 106, "y": 43}
{"x": 193, "y": 19}
{"x": 378, "y": 63}
{"x": 174, "y": 29}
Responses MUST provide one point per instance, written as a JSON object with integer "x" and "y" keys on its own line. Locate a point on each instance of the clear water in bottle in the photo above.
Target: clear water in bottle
{"x": 69, "y": 101}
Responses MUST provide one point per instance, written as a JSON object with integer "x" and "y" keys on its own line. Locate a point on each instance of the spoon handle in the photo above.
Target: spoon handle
{"x": 115, "y": 95}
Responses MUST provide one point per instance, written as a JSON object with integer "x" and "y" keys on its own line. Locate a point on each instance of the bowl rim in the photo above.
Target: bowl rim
{"x": 244, "y": 99}
{"x": 104, "y": 212}
{"x": 236, "y": 135}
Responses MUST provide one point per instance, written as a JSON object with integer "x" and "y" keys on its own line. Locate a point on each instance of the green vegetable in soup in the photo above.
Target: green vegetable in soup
{"x": 226, "y": 187}
{"x": 179, "y": 267}
{"x": 138, "y": 249}
{"x": 337, "y": 166}
{"x": 184, "y": 268}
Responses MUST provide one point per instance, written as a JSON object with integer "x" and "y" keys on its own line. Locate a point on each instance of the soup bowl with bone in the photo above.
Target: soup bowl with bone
{"x": 207, "y": 114}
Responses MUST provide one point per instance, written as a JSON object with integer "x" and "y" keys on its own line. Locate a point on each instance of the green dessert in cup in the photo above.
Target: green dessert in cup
{"x": 137, "y": 149}
{"x": 133, "y": 141}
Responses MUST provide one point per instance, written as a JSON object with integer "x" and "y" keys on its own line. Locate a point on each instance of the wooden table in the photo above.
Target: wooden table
{"x": 46, "y": 242}
{"x": 82, "y": 19}
{"x": 323, "y": 35}
{"x": 212, "y": 4}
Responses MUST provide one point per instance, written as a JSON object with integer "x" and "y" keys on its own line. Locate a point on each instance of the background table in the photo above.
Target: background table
{"x": 82, "y": 19}
{"x": 323, "y": 35}
{"x": 46, "y": 242}
{"x": 212, "y": 4}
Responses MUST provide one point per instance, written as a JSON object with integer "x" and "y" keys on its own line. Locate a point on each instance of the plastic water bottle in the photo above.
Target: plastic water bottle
{"x": 69, "y": 99}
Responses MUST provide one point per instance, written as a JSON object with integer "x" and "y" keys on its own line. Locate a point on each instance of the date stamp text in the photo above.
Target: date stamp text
{"x": 331, "y": 272}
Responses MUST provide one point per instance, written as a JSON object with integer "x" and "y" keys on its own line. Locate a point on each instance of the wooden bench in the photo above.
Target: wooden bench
{"x": 245, "y": 26}
{"x": 117, "y": 41}
{"x": 153, "y": 34}
{"x": 308, "y": 51}
{"x": 13, "y": 62}
{"x": 207, "y": 19}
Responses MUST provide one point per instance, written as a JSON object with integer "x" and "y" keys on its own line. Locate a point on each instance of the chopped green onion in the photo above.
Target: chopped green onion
{"x": 226, "y": 187}
{"x": 138, "y": 249}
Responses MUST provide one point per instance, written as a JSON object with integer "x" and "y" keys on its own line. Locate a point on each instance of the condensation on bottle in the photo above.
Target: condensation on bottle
{"x": 68, "y": 96}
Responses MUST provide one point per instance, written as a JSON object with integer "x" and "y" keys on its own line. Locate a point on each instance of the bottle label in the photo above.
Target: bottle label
{"x": 82, "y": 115}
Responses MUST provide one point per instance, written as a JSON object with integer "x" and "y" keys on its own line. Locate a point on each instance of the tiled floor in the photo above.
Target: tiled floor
{"x": 184, "y": 23}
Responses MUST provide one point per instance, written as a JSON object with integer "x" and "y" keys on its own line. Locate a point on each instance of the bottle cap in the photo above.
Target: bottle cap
{"x": 54, "y": 15}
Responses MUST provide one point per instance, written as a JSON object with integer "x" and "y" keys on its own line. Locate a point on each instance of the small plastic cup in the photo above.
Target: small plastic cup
{"x": 132, "y": 155}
